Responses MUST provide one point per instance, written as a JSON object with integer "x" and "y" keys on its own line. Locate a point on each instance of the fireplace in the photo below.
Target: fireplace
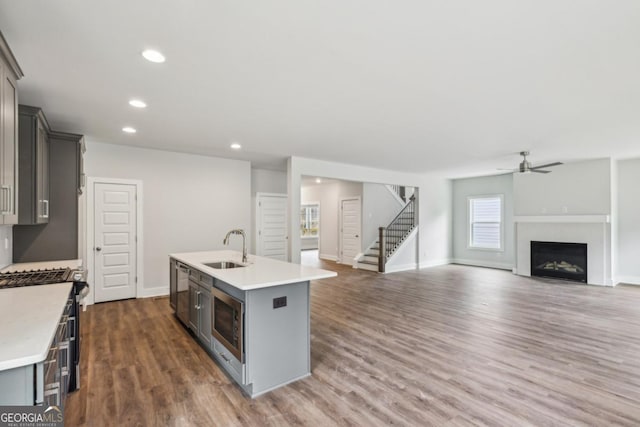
{"x": 566, "y": 261}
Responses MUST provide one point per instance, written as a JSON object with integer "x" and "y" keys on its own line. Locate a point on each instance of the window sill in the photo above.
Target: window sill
{"x": 475, "y": 248}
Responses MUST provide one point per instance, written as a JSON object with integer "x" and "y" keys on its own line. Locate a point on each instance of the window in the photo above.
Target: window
{"x": 485, "y": 222}
{"x": 309, "y": 220}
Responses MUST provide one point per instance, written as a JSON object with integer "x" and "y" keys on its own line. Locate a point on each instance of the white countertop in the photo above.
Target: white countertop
{"x": 42, "y": 265}
{"x": 29, "y": 317}
{"x": 259, "y": 272}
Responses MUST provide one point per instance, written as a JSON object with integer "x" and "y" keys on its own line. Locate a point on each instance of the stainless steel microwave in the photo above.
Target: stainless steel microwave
{"x": 227, "y": 315}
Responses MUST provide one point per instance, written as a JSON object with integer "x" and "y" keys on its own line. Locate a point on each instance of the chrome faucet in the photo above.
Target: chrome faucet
{"x": 244, "y": 241}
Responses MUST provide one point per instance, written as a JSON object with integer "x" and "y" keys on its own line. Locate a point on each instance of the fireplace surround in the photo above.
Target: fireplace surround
{"x": 560, "y": 260}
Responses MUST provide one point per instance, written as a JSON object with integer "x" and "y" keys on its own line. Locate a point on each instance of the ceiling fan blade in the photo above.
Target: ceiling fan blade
{"x": 547, "y": 165}
{"x": 539, "y": 171}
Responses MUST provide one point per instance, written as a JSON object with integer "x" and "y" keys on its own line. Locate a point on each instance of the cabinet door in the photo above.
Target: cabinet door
{"x": 204, "y": 332}
{"x": 42, "y": 175}
{"x": 194, "y": 305}
{"x": 9, "y": 144}
{"x": 173, "y": 283}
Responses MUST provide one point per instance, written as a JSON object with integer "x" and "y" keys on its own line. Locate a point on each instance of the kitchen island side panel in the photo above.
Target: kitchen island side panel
{"x": 277, "y": 339}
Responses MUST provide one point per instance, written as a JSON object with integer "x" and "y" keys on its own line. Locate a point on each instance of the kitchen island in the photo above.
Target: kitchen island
{"x": 252, "y": 317}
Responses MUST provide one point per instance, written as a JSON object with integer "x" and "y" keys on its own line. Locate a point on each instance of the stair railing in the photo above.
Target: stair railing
{"x": 393, "y": 234}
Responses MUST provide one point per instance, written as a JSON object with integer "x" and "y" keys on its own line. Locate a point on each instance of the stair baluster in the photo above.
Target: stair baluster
{"x": 391, "y": 236}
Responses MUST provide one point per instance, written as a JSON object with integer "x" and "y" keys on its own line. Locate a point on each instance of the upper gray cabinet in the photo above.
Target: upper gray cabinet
{"x": 10, "y": 72}
{"x": 34, "y": 204}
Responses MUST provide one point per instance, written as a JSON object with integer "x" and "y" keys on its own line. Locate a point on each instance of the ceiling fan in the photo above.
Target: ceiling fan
{"x": 526, "y": 166}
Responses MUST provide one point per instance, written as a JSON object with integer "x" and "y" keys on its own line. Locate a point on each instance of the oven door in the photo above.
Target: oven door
{"x": 227, "y": 315}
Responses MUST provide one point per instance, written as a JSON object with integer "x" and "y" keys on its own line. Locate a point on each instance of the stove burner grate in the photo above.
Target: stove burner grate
{"x": 34, "y": 277}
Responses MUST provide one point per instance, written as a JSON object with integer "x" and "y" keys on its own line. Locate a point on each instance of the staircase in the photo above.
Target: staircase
{"x": 392, "y": 236}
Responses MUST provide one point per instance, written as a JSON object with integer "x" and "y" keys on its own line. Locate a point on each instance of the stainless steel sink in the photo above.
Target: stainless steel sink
{"x": 223, "y": 265}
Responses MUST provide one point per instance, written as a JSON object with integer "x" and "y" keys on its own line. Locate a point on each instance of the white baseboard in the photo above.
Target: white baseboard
{"x": 398, "y": 268}
{"x": 628, "y": 280}
{"x": 153, "y": 292}
{"x": 328, "y": 257}
{"x": 435, "y": 263}
{"x": 488, "y": 264}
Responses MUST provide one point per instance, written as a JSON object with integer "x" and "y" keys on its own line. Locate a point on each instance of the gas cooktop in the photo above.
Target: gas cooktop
{"x": 37, "y": 277}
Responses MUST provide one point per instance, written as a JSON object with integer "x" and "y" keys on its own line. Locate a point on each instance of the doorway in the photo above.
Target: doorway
{"x": 114, "y": 238}
{"x": 350, "y": 229}
{"x": 271, "y": 226}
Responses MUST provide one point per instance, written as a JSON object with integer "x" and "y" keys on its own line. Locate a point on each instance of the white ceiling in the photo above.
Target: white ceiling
{"x": 415, "y": 86}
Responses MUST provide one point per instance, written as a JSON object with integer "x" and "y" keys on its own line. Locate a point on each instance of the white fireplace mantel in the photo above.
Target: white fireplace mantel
{"x": 575, "y": 219}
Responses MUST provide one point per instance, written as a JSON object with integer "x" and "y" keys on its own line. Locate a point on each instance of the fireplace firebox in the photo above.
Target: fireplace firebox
{"x": 566, "y": 261}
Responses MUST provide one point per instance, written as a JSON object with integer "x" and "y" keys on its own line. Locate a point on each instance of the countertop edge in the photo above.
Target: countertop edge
{"x": 318, "y": 274}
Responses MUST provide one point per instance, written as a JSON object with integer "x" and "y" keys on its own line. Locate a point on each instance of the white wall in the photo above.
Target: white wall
{"x": 628, "y": 242}
{"x": 268, "y": 181}
{"x": 6, "y": 253}
{"x": 580, "y": 188}
{"x": 435, "y": 216}
{"x": 434, "y": 202}
{"x": 379, "y": 208}
{"x": 190, "y": 201}
{"x": 486, "y": 185}
{"x": 329, "y": 195}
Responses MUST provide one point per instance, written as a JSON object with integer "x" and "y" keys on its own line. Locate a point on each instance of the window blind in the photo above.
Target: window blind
{"x": 485, "y": 222}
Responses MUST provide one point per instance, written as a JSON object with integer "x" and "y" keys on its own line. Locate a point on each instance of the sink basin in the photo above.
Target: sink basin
{"x": 223, "y": 265}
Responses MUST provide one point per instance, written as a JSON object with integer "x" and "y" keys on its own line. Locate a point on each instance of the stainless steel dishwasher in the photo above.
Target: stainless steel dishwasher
{"x": 183, "y": 293}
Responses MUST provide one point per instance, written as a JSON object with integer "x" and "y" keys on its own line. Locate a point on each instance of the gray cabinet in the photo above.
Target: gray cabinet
{"x": 204, "y": 318}
{"x": 194, "y": 305}
{"x": 9, "y": 74}
{"x": 173, "y": 283}
{"x": 59, "y": 237}
{"x": 200, "y": 306}
{"x": 34, "y": 166}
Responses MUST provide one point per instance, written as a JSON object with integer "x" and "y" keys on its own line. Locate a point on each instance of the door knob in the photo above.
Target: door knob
{"x": 98, "y": 249}
{"x": 357, "y": 235}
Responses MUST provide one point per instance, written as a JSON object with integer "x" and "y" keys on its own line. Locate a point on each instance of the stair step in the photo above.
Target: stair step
{"x": 368, "y": 262}
{"x": 367, "y": 267}
{"x": 369, "y": 258}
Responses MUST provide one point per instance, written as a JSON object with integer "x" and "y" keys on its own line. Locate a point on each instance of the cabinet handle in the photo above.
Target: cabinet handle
{"x": 226, "y": 359}
{"x": 45, "y": 209}
{"x": 4, "y": 200}
{"x": 198, "y": 306}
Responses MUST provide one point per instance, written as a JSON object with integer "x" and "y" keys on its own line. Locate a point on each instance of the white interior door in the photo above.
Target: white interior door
{"x": 114, "y": 241}
{"x": 350, "y": 230}
{"x": 271, "y": 226}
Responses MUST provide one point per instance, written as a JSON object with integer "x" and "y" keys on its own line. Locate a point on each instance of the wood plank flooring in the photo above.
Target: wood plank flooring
{"x": 446, "y": 346}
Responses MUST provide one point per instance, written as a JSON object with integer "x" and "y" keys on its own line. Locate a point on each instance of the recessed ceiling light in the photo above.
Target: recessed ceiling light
{"x": 138, "y": 103}
{"x": 128, "y": 129}
{"x": 236, "y": 146}
{"x": 153, "y": 56}
{"x": 318, "y": 181}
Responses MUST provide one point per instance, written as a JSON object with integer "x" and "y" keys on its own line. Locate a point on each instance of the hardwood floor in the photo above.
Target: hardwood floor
{"x": 446, "y": 346}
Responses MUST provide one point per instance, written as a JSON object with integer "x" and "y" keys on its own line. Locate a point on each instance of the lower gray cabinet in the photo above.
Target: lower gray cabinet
{"x": 200, "y": 309}
{"x": 204, "y": 318}
{"x": 194, "y": 305}
{"x": 173, "y": 283}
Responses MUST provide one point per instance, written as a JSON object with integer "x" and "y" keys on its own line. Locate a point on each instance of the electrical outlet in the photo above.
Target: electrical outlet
{"x": 279, "y": 302}
{"x": 6, "y": 243}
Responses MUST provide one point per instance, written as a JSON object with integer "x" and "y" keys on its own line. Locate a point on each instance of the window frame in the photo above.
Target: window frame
{"x": 305, "y": 206}
{"x": 470, "y": 222}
